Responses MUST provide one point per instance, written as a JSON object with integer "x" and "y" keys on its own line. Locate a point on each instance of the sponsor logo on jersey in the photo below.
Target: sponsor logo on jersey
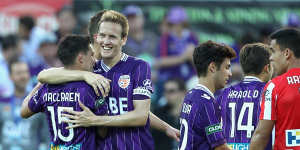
{"x": 292, "y": 137}
{"x": 147, "y": 84}
{"x": 63, "y": 147}
{"x": 239, "y": 146}
{"x": 213, "y": 129}
{"x": 99, "y": 102}
{"x": 124, "y": 81}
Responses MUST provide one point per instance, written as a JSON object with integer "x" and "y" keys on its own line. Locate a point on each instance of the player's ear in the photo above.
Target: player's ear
{"x": 212, "y": 67}
{"x": 79, "y": 58}
{"x": 288, "y": 53}
{"x": 124, "y": 40}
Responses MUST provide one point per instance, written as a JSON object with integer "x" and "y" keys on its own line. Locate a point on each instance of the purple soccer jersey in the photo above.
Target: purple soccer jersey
{"x": 130, "y": 80}
{"x": 53, "y": 99}
{"x": 200, "y": 121}
{"x": 240, "y": 109}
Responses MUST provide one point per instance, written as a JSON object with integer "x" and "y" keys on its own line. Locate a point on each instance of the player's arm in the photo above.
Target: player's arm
{"x": 25, "y": 110}
{"x": 86, "y": 118}
{"x": 62, "y": 75}
{"x": 261, "y": 135}
{"x": 162, "y": 126}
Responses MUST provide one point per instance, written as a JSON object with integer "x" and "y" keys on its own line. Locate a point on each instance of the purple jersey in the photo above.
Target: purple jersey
{"x": 130, "y": 80}
{"x": 240, "y": 109}
{"x": 53, "y": 99}
{"x": 200, "y": 121}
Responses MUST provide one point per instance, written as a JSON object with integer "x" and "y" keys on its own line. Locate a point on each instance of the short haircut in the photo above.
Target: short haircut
{"x": 27, "y": 22}
{"x": 288, "y": 38}
{"x": 70, "y": 46}
{"x": 118, "y": 18}
{"x": 254, "y": 57}
{"x": 180, "y": 83}
{"x": 211, "y": 52}
{"x": 93, "y": 26}
{"x": 9, "y": 41}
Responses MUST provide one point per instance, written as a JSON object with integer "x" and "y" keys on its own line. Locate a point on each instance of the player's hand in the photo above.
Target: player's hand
{"x": 173, "y": 133}
{"x": 79, "y": 118}
{"x": 97, "y": 82}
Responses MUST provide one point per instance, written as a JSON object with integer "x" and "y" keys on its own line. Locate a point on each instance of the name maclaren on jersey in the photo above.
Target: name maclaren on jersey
{"x": 61, "y": 97}
{"x": 243, "y": 94}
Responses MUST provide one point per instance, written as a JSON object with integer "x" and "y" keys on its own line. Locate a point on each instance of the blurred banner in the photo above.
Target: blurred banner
{"x": 43, "y": 10}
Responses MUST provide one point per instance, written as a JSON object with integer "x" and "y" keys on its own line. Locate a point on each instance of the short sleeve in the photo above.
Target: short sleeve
{"x": 142, "y": 85}
{"x": 97, "y": 104}
{"x": 35, "y": 102}
{"x": 268, "y": 102}
{"x": 210, "y": 124}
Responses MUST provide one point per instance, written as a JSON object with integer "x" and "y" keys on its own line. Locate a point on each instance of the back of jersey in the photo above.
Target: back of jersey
{"x": 53, "y": 99}
{"x": 240, "y": 109}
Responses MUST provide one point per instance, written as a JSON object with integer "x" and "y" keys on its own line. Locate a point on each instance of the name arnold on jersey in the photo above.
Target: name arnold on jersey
{"x": 61, "y": 97}
{"x": 243, "y": 94}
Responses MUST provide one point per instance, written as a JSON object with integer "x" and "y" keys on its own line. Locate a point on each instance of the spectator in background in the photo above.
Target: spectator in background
{"x": 175, "y": 49}
{"x": 16, "y": 133}
{"x": 10, "y": 50}
{"x": 140, "y": 43}
{"x": 174, "y": 92}
{"x": 66, "y": 21}
{"x": 47, "y": 50}
{"x": 31, "y": 36}
{"x": 264, "y": 34}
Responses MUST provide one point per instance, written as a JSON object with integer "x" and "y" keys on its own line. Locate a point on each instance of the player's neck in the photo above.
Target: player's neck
{"x": 19, "y": 92}
{"x": 208, "y": 82}
{"x": 294, "y": 64}
{"x": 110, "y": 62}
{"x": 260, "y": 76}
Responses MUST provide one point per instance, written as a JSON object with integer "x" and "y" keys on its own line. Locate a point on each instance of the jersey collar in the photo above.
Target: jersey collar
{"x": 248, "y": 79}
{"x": 204, "y": 88}
{"x": 106, "y": 68}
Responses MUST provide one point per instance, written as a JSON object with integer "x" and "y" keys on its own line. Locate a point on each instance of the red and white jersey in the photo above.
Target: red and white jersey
{"x": 281, "y": 103}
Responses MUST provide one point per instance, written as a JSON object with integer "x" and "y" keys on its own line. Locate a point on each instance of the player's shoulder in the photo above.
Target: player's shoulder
{"x": 136, "y": 61}
{"x": 200, "y": 95}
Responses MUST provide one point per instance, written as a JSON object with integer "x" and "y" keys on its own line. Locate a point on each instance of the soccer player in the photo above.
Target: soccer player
{"x": 200, "y": 115}
{"x": 129, "y": 99}
{"x": 240, "y": 103}
{"x": 74, "y": 53}
{"x": 280, "y": 100}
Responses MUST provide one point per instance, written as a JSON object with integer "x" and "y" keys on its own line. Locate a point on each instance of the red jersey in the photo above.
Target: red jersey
{"x": 281, "y": 103}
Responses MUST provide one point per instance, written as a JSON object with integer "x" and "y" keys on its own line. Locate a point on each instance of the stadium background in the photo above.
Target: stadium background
{"x": 233, "y": 22}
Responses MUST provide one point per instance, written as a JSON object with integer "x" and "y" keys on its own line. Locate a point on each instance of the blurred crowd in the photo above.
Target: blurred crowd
{"x": 24, "y": 54}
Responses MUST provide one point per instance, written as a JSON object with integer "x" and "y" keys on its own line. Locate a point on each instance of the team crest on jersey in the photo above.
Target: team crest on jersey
{"x": 124, "y": 81}
{"x": 147, "y": 84}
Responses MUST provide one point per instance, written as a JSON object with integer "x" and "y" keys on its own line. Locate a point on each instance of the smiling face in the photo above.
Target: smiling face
{"x": 222, "y": 74}
{"x": 110, "y": 40}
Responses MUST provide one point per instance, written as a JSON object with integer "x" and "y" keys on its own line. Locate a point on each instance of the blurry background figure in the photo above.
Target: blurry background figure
{"x": 175, "y": 49}
{"x": 48, "y": 52}
{"x": 66, "y": 22}
{"x": 140, "y": 43}
{"x": 31, "y": 36}
{"x": 10, "y": 50}
{"x": 264, "y": 34}
{"x": 293, "y": 20}
{"x": 15, "y": 132}
{"x": 169, "y": 111}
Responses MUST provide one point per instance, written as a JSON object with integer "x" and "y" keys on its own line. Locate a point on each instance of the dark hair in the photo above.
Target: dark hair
{"x": 211, "y": 52}
{"x": 70, "y": 46}
{"x": 27, "y": 22}
{"x": 93, "y": 26}
{"x": 118, "y": 18}
{"x": 254, "y": 57}
{"x": 9, "y": 41}
{"x": 180, "y": 83}
{"x": 288, "y": 38}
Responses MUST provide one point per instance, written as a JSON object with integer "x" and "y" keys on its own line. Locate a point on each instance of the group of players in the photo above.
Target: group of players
{"x": 119, "y": 117}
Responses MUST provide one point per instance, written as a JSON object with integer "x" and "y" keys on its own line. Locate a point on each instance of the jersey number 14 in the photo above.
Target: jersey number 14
{"x": 248, "y": 127}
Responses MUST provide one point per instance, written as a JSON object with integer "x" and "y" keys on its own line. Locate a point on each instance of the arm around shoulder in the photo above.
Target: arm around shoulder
{"x": 222, "y": 147}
